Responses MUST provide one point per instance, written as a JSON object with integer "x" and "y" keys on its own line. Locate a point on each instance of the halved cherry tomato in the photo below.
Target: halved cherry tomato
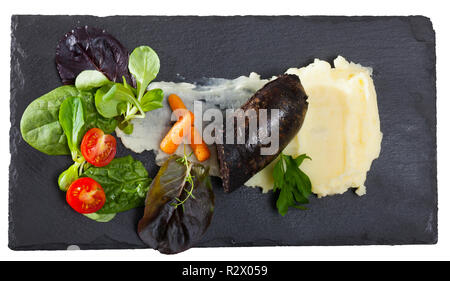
{"x": 85, "y": 196}
{"x": 97, "y": 148}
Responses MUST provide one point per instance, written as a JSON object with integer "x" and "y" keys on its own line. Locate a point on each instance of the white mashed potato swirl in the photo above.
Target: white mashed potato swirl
{"x": 341, "y": 131}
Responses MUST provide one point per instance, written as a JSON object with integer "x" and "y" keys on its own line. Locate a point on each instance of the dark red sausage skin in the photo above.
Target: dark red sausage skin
{"x": 239, "y": 162}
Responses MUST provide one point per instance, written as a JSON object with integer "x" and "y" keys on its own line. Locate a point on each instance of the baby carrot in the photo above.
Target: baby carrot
{"x": 175, "y": 102}
{"x": 199, "y": 147}
{"x": 178, "y": 107}
{"x": 174, "y": 137}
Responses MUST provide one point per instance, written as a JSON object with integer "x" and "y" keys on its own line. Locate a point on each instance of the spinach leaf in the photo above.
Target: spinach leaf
{"x": 86, "y": 48}
{"x": 144, "y": 66}
{"x": 72, "y": 120}
{"x": 125, "y": 182}
{"x": 167, "y": 228}
{"x": 72, "y": 116}
{"x": 90, "y": 79}
{"x": 152, "y": 100}
{"x": 40, "y": 125}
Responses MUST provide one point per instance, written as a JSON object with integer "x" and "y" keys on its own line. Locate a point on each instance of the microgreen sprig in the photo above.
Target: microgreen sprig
{"x": 189, "y": 179}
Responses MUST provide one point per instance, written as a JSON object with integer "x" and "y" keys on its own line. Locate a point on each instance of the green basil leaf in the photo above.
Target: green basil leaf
{"x": 144, "y": 66}
{"x": 125, "y": 182}
{"x": 152, "y": 100}
{"x": 72, "y": 120}
{"x": 90, "y": 79}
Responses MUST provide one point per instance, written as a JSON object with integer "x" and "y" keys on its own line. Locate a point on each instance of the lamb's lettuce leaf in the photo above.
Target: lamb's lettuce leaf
{"x": 152, "y": 100}
{"x": 121, "y": 100}
{"x": 90, "y": 79}
{"x": 144, "y": 66}
{"x": 112, "y": 101}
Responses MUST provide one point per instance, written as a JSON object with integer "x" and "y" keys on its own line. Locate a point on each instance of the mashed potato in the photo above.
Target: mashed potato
{"x": 341, "y": 131}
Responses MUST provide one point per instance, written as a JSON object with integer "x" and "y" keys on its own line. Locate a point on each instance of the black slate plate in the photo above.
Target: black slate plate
{"x": 401, "y": 204}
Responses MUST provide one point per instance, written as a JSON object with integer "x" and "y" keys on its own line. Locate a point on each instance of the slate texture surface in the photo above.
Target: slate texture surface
{"x": 400, "y": 206}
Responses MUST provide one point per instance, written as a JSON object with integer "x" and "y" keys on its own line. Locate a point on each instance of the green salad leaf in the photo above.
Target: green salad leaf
{"x": 125, "y": 182}
{"x": 152, "y": 100}
{"x": 56, "y": 122}
{"x": 121, "y": 100}
{"x": 71, "y": 119}
{"x": 67, "y": 177}
{"x": 144, "y": 66}
{"x": 112, "y": 101}
{"x": 40, "y": 125}
{"x": 294, "y": 185}
{"x": 93, "y": 118}
{"x": 100, "y": 217}
{"x": 127, "y": 127}
{"x": 72, "y": 116}
{"x": 90, "y": 79}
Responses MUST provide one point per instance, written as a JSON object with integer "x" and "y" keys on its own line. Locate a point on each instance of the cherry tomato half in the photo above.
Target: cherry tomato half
{"x": 97, "y": 148}
{"x": 85, "y": 196}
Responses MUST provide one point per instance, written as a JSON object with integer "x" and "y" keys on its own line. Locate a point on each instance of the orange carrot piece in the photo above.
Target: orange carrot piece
{"x": 178, "y": 107}
{"x": 174, "y": 137}
{"x": 199, "y": 147}
{"x": 175, "y": 102}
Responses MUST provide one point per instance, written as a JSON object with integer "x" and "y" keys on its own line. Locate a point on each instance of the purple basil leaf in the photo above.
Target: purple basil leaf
{"x": 91, "y": 48}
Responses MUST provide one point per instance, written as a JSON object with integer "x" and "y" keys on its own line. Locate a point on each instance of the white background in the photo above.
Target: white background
{"x": 435, "y": 10}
